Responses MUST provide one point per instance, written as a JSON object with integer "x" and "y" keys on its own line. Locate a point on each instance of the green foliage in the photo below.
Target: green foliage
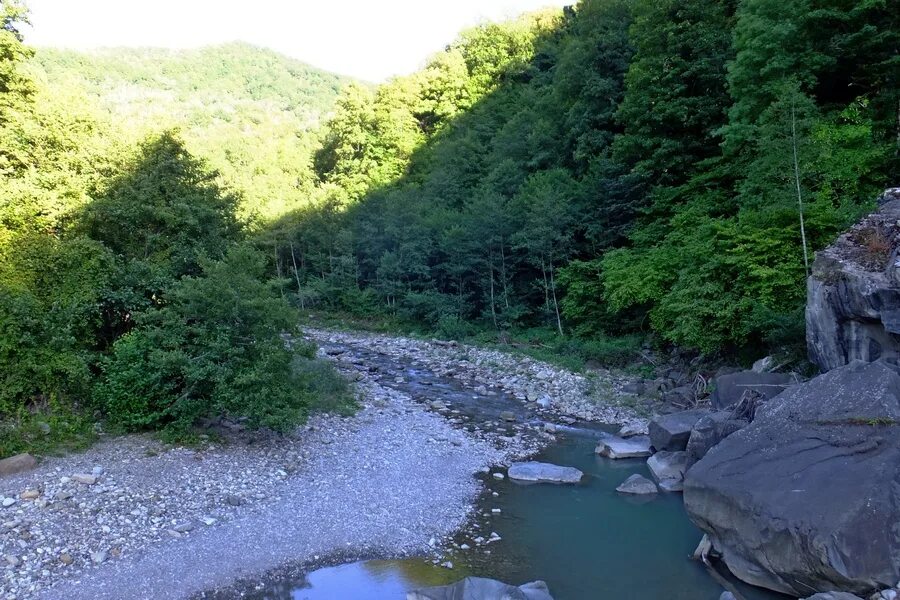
{"x": 213, "y": 348}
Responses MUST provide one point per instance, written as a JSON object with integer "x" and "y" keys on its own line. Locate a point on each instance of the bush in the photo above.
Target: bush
{"x": 215, "y": 348}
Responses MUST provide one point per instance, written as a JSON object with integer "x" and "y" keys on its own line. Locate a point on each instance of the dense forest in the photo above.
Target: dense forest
{"x": 131, "y": 183}
{"x": 620, "y": 167}
{"x": 612, "y": 172}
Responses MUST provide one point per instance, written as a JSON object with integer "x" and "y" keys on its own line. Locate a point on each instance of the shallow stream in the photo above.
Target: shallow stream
{"x": 586, "y": 541}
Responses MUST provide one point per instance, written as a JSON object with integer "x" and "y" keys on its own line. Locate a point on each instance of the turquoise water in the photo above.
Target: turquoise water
{"x": 586, "y": 541}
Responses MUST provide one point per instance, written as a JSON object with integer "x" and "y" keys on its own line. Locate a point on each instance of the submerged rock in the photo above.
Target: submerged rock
{"x": 480, "y": 588}
{"x": 616, "y": 447}
{"x": 805, "y": 498}
{"x": 544, "y": 472}
{"x": 637, "y": 484}
{"x": 671, "y": 432}
{"x": 834, "y": 596}
{"x": 853, "y": 294}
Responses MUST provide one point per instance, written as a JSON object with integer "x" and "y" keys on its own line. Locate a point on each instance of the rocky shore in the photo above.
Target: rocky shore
{"x": 135, "y": 518}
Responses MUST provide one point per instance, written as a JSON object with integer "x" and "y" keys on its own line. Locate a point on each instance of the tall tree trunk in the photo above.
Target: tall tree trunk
{"x": 799, "y": 194}
{"x": 503, "y": 274}
{"x": 278, "y": 269}
{"x": 555, "y": 303}
{"x": 491, "y": 278}
{"x": 297, "y": 277}
{"x": 546, "y": 286}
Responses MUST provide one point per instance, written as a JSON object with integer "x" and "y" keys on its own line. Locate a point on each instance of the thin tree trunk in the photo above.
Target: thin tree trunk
{"x": 297, "y": 276}
{"x": 555, "y": 303}
{"x": 546, "y": 286}
{"x": 491, "y": 273}
{"x": 503, "y": 274}
{"x": 278, "y": 269}
{"x": 799, "y": 194}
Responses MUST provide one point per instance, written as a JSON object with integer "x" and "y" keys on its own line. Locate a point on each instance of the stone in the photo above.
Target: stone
{"x": 98, "y": 557}
{"x": 7, "y": 502}
{"x": 672, "y": 485}
{"x": 438, "y": 405}
{"x": 66, "y": 558}
{"x": 30, "y": 494}
{"x": 667, "y": 465}
{"x": 853, "y": 295}
{"x": 764, "y": 365}
{"x": 84, "y": 479}
{"x": 507, "y": 415}
{"x": 637, "y": 484}
{"x": 632, "y": 429}
{"x": 831, "y": 443}
{"x": 543, "y": 472}
{"x": 671, "y": 432}
{"x": 17, "y": 464}
{"x": 633, "y": 387}
{"x": 731, "y": 387}
{"x": 682, "y": 396}
{"x": 183, "y": 527}
{"x": 544, "y": 402}
{"x": 499, "y": 476}
{"x": 480, "y": 588}
{"x": 616, "y": 447}
{"x": 12, "y": 560}
{"x": 709, "y": 431}
{"x": 833, "y": 596}
{"x": 727, "y": 596}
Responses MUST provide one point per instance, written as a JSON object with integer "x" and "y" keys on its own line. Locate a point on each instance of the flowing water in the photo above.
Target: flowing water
{"x": 586, "y": 541}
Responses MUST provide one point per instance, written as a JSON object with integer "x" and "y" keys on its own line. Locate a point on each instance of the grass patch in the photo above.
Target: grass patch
{"x": 53, "y": 431}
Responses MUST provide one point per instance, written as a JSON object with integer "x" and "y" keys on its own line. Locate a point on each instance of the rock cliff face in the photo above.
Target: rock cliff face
{"x": 853, "y": 293}
{"x": 807, "y": 497}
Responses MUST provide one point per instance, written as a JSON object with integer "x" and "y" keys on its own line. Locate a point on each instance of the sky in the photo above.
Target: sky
{"x": 371, "y": 40}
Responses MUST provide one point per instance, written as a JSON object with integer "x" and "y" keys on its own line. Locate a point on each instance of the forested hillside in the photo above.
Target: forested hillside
{"x": 617, "y": 167}
{"x": 250, "y": 112}
{"x": 131, "y": 297}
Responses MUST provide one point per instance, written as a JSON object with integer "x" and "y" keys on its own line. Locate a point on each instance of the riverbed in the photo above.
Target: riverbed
{"x": 585, "y": 541}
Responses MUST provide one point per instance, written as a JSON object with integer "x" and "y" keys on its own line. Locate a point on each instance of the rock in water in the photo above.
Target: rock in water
{"x": 544, "y": 472}
{"x": 806, "y": 497}
{"x": 17, "y": 464}
{"x": 834, "y": 596}
{"x": 671, "y": 432}
{"x": 853, "y": 295}
{"x": 479, "y": 588}
{"x": 637, "y": 484}
{"x": 668, "y": 468}
{"x": 616, "y": 447}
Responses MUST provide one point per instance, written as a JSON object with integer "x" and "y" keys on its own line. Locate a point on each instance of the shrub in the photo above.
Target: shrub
{"x": 214, "y": 348}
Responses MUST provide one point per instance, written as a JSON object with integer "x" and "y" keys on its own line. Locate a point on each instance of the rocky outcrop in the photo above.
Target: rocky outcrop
{"x": 539, "y": 472}
{"x": 853, "y": 293}
{"x": 480, "y": 588}
{"x": 668, "y": 469}
{"x": 807, "y": 497}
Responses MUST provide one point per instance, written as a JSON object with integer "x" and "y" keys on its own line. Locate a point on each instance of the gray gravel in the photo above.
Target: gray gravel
{"x": 132, "y": 518}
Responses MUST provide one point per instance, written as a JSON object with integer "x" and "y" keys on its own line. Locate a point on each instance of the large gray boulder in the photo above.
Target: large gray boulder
{"x": 539, "y": 472}
{"x": 709, "y": 431}
{"x": 853, "y": 294}
{"x": 479, "y": 588}
{"x": 671, "y": 432}
{"x": 807, "y": 497}
{"x": 731, "y": 387}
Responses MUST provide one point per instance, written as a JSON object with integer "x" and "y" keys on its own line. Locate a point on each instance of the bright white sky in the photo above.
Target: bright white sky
{"x": 371, "y": 39}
